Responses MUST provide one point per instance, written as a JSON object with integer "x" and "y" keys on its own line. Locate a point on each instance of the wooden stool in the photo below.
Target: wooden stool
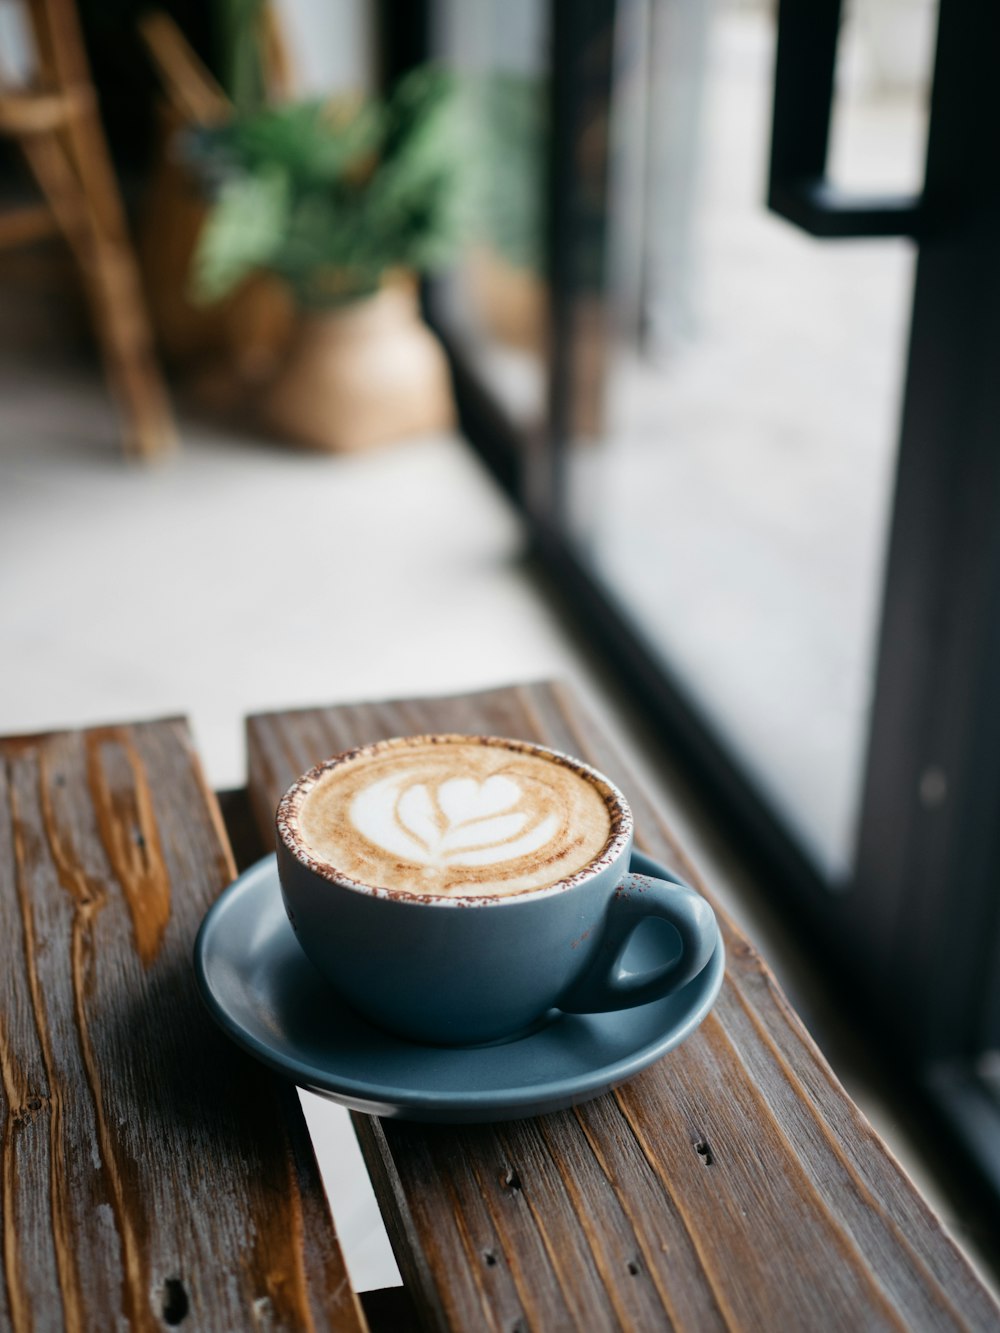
{"x": 57, "y": 125}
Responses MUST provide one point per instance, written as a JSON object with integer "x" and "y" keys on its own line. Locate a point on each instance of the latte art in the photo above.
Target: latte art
{"x": 454, "y": 815}
{"x": 461, "y": 822}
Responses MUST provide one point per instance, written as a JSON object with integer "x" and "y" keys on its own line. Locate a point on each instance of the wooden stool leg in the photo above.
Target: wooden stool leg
{"x": 75, "y": 162}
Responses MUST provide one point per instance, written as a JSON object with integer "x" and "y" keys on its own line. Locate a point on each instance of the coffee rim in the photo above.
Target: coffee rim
{"x": 287, "y": 821}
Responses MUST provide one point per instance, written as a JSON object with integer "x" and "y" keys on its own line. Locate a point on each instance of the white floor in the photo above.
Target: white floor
{"x": 243, "y": 576}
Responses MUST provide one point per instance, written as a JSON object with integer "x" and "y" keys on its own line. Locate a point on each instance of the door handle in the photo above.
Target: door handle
{"x": 798, "y": 188}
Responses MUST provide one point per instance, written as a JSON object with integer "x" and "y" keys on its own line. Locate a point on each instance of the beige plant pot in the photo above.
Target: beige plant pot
{"x": 360, "y": 375}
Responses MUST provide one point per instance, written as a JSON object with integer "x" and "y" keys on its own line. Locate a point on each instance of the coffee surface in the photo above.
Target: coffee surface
{"x": 453, "y": 817}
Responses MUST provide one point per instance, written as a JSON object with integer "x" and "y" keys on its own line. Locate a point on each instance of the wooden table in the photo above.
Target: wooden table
{"x": 153, "y": 1176}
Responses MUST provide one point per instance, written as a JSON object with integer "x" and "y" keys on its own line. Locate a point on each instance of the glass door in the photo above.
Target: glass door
{"x": 754, "y": 432}
{"x": 733, "y": 494}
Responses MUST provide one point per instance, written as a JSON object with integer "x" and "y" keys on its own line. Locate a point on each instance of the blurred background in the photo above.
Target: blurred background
{"x": 351, "y": 349}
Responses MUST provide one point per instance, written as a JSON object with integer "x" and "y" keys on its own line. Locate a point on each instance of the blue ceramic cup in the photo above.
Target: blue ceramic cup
{"x": 472, "y": 969}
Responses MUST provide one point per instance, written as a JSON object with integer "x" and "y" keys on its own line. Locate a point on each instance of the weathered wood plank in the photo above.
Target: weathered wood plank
{"x": 732, "y": 1185}
{"x": 152, "y": 1176}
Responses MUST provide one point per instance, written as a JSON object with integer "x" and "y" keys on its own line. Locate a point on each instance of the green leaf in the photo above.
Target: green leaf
{"x": 329, "y": 195}
{"x": 243, "y": 232}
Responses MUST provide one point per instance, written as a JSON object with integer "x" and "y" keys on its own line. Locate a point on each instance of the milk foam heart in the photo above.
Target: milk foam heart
{"x": 458, "y": 823}
{"x": 454, "y": 815}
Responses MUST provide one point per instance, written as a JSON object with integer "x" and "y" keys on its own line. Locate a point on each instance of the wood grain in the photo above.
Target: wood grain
{"x": 152, "y": 1176}
{"x": 733, "y": 1185}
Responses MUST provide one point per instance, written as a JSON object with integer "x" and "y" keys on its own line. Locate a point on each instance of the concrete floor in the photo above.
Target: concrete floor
{"x": 243, "y": 576}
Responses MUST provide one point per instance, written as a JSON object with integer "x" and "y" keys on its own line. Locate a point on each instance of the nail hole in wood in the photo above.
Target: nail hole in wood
{"x": 175, "y": 1301}
{"x": 60, "y": 779}
{"x": 139, "y": 838}
{"x": 633, "y": 1268}
{"x": 489, "y": 1258}
{"x": 704, "y": 1151}
{"x": 511, "y": 1179}
{"x": 24, "y": 1114}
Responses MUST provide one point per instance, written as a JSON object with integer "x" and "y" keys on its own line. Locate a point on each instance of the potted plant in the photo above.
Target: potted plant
{"x": 345, "y": 202}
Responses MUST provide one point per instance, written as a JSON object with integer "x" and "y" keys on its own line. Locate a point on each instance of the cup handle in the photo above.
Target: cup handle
{"x": 606, "y": 986}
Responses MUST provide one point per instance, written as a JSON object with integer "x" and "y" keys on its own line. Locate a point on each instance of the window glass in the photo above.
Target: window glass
{"x": 733, "y": 493}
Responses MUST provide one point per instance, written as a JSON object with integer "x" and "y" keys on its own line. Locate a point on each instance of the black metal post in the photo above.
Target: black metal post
{"x": 581, "y": 72}
{"x": 928, "y": 862}
{"x": 924, "y": 911}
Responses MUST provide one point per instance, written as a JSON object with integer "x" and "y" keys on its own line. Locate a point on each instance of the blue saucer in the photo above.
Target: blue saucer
{"x": 262, "y": 990}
